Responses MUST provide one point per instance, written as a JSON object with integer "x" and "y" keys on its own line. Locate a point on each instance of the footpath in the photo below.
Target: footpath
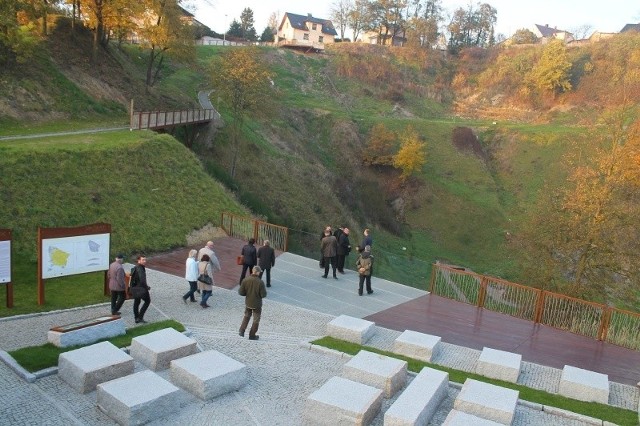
{"x": 283, "y": 368}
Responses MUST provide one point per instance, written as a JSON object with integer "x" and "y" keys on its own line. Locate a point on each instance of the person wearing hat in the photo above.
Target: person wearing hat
{"x": 116, "y": 284}
{"x": 364, "y": 266}
{"x": 254, "y": 291}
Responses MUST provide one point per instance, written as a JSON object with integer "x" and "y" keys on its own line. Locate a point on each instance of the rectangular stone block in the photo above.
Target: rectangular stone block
{"x": 584, "y": 385}
{"x": 342, "y": 402}
{"x": 351, "y": 329}
{"x": 459, "y": 418}
{"x": 416, "y": 345}
{"x": 382, "y": 372}
{"x": 139, "y": 398}
{"x": 487, "y": 401}
{"x": 86, "y": 367}
{"x": 499, "y": 365}
{"x": 156, "y": 350}
{"x": 208, "y": 374}
{"x": 104, "y": 328}
{"x": 420, "y": 400}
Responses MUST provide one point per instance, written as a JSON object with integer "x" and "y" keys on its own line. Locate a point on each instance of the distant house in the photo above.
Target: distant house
{"x": 545, "y": 33}
{"x": 630, "y": 27}
{"x": 598, "y": 36}
{"x": 305, "y": 31}
{"x": 386, "y": 37}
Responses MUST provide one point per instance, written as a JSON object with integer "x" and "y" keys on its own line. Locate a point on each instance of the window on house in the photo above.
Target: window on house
{"x": 305, "y": 36}
{"x": 321, "y": 39}
{"x": 314, "y": 26}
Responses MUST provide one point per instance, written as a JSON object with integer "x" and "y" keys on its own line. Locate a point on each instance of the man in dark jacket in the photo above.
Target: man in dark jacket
{"x": 364, "y": 265}
{"x": 344, "y": 247}
{"x": 328, "y": 247}
{"x": 139, "y": 279}
{"x": 116, "y": 284}
{"x": 266, "y": 260}
{"x": 254, "y": 291}
{"x": 250, "y": 258}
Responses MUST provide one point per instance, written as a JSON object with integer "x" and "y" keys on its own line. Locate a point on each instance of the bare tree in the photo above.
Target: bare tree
{"x": 339, "y": 14}
{"x": 582, "y": 31}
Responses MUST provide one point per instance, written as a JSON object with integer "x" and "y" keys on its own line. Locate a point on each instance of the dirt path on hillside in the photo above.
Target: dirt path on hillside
{"x": 75, "y": 132}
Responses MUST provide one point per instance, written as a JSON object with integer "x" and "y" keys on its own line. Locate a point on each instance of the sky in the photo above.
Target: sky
{"x": 603, "y": 16}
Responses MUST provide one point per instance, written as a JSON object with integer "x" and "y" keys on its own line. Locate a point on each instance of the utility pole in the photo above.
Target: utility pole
{"x": 224, "y": 35}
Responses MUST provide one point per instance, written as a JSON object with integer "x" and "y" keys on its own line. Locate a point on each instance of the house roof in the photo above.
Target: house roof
{"x": 630, "y": 27}
{"x": 299, "y": 22}
{"x": 547, "y": 31}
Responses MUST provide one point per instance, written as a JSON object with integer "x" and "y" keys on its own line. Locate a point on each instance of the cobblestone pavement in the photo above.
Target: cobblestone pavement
{"x": 283, "y": 370}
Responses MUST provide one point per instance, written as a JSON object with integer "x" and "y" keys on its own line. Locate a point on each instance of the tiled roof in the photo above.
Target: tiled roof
{"x": 299, "y": 22}
{"x": 547, "y": 31}
{"x": 630, "y": 27}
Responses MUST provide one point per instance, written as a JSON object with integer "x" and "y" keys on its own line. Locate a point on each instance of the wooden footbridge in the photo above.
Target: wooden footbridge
{"x": 162, "y": 120}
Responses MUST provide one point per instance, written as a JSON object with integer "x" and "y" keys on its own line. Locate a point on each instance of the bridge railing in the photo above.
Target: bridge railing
{"x": 141, "y": 120}
{"x": 246, "y": 227}
{"x": 578, "y": 316}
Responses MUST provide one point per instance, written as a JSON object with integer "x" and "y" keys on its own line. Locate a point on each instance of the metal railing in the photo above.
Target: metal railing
{"x": 578, "y": 316}
{"x": 246, "y": 227}
{"x": 141, "y": 120}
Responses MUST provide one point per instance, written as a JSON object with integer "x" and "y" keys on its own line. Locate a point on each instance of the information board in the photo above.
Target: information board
{"x": 75, "y": 255}
{"x": 5, "y": 262}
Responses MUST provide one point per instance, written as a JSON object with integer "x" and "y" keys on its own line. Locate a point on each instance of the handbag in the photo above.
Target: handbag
{"x": 240, "y": 260}
{"x": 205, "y": 279}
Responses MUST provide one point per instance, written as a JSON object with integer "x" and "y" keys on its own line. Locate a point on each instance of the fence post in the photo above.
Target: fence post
{"x": 286, "y": 239}
{"x": 604, "y": 324}
{"x": 433, "y": 278}
{"x": 255, "y": 230}
{"x": 539, "y": 307}
{"x": 482, "y": 294}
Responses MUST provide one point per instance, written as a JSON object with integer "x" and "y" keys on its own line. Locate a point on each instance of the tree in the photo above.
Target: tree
{"x": 386, "y": 17}
{"x": 163, "y": 31}
{"x": 412, "y": 154}
{"x": 243, "y": 83}
{"x": 524, "y": 36}
{"x": 248, "y": 32}
{"x": 357, "y": 17}
{"x": 423, "y": 23}
{"x": 339, "y": 14}
{"x": 552, "y": 72}
{"x": 473, "y": 27}
{"x": 235, "y": 29}
{"x": 267, "y": 35}
{"x": 380, "y": 146}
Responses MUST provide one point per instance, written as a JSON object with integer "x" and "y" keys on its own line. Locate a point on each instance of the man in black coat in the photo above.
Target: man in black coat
{"x": 344, "y": 247}
{"x": 250, "y": 258}
{"x": 266, "y": 260}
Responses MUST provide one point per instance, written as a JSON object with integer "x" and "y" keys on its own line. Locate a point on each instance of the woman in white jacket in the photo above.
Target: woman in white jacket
{"x": 191, "y": 275}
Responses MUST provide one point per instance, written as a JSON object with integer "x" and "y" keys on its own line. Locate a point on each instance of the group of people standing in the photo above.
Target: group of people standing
{"x": 335, "y": 247}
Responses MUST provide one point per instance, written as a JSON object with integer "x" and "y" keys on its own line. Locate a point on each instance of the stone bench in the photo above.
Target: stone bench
{"x": 382, "y": 372}
{"x": 584, "y": 385}
{"x": 459, "y": 418}
{"x": 342, "y": 402}
{"x": 416, "y": 345}
{"x": 139, "y": 398}
{"x": 499, "y": 365}
{"x": 156, "y": 350}
{"x": 86, "y": 332}
{"x": 420, "y": 400}
{"x": 86, "y": 367}
{"x": 351, "y": 329}
{"x": 487, "y": 401}
{"x": 208, "y": 374}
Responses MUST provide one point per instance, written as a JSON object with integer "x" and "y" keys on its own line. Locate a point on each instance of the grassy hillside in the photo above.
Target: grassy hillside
{"x": 149, "y": 187}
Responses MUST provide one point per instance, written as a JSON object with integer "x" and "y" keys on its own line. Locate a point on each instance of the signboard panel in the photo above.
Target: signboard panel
{"x": 5, "y": 262}
{"x": 75, "y": 255}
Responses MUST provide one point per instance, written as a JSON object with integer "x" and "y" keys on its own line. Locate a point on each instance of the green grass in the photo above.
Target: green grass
{"x": 36, "y": 358}
{"x": 615, "y": 415}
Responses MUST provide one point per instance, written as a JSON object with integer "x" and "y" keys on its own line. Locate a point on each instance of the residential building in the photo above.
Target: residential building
{"x": 305, "y": 31}
{"x": 546, "y": 34}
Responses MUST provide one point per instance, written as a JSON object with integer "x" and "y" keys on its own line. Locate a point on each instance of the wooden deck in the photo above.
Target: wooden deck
{"x": 458, "y": 323}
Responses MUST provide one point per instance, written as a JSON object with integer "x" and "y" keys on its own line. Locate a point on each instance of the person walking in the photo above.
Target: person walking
{"x": 266, "y": 260}
{"x": 116, "y": 284}
{"x": 205, "y": 285}
{"x": 366, "y": 240}
{"x": 364, "y": 266}
{"x": 254, "y": 291}
{"x": 249, "y": 258}
{"x": 208, "y": 250}
{"x": 191, "y": 275}
{"x": 328, "y": 247}
{"x": 343, "y": 249}
{"x": 140, "y": 289}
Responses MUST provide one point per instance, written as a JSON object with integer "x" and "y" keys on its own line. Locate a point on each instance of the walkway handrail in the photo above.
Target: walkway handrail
{"x": 556, "y": 310}
{"x": 141, "y": 120}
{"x": 246, "y": 227}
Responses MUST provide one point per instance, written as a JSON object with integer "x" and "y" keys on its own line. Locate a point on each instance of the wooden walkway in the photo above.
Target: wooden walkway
{"x": 458, "y": 323}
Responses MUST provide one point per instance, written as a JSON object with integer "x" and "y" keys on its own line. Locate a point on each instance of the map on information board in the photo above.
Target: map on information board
{"x": 5, "y": 262}
{"x": 75, "y": 255}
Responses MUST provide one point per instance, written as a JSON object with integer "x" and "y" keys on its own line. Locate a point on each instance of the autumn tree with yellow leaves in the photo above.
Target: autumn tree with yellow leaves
{"x": 412, "y": 154}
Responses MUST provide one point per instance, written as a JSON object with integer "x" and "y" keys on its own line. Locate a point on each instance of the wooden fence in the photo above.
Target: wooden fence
{"x": 245, "y": 227}
{"x": 589, "y": 319}
{"x": 141, "y": 120}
